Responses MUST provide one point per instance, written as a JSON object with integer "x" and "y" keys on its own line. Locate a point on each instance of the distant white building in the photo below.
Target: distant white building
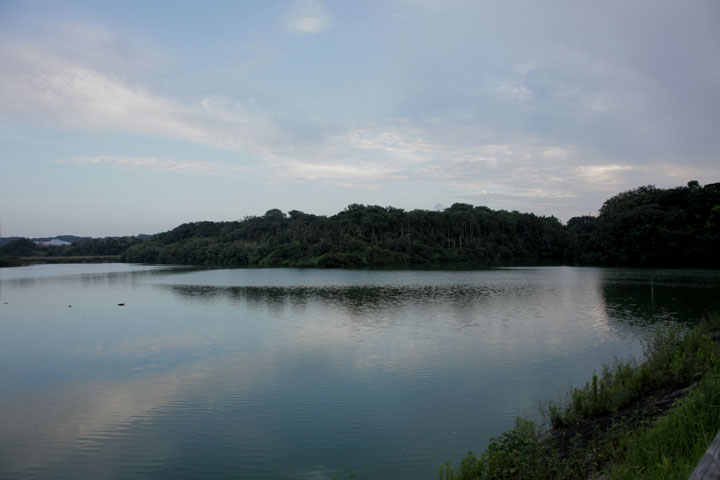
{"x": 53, "y": 243}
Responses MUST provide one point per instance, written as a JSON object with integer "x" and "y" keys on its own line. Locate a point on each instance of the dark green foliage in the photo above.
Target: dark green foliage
{"x": 650, "y": 226}
{"x": 8, "y": 261}
{"x": 22, "y": 247}
{"x": 646, "y": 226}
{"x": 519, "y": 453}
{"x": 95, "y": 246}
{"x": 580, "y": 230}
{"x": 67, "y": 238}
{"x": 25, "y": 247}
{"x": 672, "y": 447}
{"x": 363, "y": 236}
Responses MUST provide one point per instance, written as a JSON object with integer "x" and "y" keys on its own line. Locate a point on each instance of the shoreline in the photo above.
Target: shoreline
{"x": 26, "y": 261}
{"x": 653, "y": 419}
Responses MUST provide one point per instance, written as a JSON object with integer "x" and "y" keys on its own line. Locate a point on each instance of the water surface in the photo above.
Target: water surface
{"x": 291, "y": 373}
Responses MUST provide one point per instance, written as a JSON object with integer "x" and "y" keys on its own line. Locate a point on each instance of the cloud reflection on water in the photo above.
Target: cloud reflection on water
{"x": 323, "y": 367}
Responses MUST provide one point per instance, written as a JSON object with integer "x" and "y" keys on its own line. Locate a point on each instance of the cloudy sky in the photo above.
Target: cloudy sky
{"x": 129, "y": 117}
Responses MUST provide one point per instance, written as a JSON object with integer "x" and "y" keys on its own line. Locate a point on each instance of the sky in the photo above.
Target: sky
{"x": 120, "y": 118}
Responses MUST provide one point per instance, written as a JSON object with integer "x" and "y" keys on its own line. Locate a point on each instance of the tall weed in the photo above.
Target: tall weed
{"x": 668, "y": 449}
{"x": 672, "y": 360}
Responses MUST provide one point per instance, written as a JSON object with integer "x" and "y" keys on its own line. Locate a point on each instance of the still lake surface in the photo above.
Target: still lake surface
{"x": 302, "y": 374}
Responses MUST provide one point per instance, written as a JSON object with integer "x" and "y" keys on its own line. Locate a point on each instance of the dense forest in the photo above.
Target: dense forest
{"x": 362, "y": 236}
{"x": 649, "y": 226}
{"x": 646, "y": 226}
{"x": 25, "y": 247}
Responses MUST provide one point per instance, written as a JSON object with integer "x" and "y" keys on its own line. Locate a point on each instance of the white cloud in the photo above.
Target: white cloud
{"x": 523, "y": 69}
{"x": 102, "y": 48}
{"x": 606, "y": 174}
{"x": 428, "y": 4}
{"x": 513, "y": 90}
{"x": 44, "y": 87}
{"x": 313, "y": 171}
{"x": 401, "y": 140}
{"x": 499, "y": 191}
{"x": 556, "y": 153}
{"x": 308, "y": 17}
{"x": 40, "y": 87}
{"x": 158, "y": 164}
{"x": 412, "y": 151}
{"x": 677, "y": 173}
{"x": 599, "y": 102}
{"x": 69, "y": 86}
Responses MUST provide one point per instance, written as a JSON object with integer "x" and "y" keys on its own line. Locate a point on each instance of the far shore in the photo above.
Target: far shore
{"x": 25, "y": 261}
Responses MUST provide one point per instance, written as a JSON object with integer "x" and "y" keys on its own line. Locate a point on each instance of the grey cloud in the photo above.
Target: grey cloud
{"x": 632, "y": 80}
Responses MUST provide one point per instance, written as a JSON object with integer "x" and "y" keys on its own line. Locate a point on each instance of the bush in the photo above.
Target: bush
{"x": 518, "y": 453}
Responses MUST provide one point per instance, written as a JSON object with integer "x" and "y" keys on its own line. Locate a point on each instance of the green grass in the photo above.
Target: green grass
{"x": 672, "y": 359}
{"x": 671, "y": 448}
{"x": 668, "y": 448}
{"x": 518, "y": 453}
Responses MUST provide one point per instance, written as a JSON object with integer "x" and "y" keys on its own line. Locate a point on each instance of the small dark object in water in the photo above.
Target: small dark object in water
{"x": 121, "y": 304}
{"x": 69, "y": 306}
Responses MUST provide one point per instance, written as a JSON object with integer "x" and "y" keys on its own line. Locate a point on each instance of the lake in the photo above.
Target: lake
{"x": 128, "y": 371}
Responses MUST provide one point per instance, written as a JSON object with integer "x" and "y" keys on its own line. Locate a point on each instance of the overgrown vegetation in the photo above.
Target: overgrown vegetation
{"x": 24, "y": 250}
{"x": 671, "y": 361}
{"x": 672, "y": 447}
{"x": 651, "y": 226}
{"x": 642, "y": 227}
{"x": 611, "y": 420}
{"x": 646, "y": 226}
{"x": 8, "y": 261}
{"x": 362, "y": 236}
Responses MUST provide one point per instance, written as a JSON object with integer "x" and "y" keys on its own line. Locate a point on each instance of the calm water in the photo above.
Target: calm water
{"x": 304, "y": 374}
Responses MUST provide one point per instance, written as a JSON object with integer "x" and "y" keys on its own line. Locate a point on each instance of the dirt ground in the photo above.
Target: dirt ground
{"x": 645, "y": 411}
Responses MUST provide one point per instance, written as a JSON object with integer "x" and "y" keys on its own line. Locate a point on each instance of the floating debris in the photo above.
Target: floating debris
{"x": 121, "y": 304}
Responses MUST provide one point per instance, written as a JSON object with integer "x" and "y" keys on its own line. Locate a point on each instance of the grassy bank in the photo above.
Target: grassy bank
{"x": 631, "y": 420}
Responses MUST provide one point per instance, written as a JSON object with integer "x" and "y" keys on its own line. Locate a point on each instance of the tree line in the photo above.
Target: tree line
{"x": 361, "y": 236}
{"x": 646, "y": 226}
{"x": 25, "y": 247}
